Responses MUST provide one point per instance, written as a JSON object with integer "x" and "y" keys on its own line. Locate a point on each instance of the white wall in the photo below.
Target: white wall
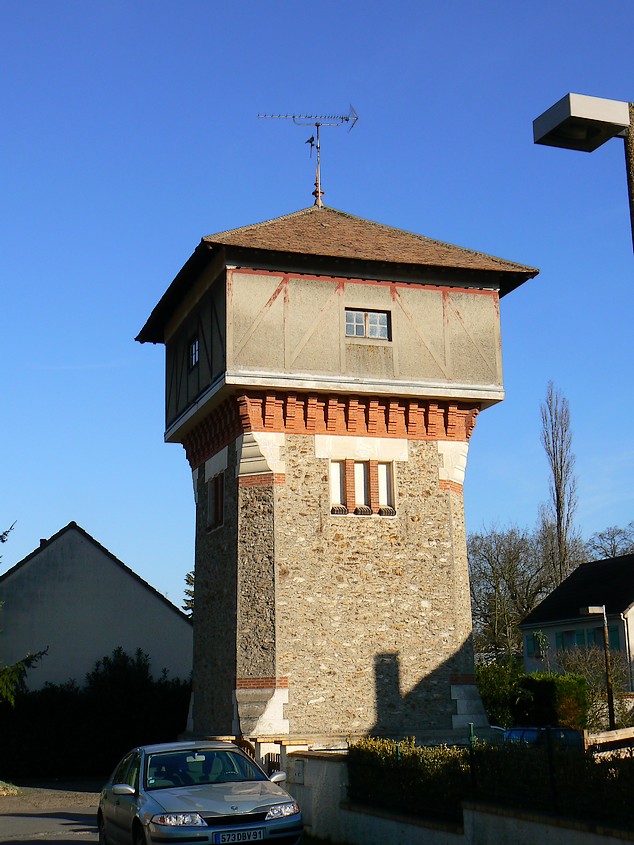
{"x": 73, "y": 598}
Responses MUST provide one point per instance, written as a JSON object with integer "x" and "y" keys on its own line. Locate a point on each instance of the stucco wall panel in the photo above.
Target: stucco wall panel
{"x": 296, "y": 325}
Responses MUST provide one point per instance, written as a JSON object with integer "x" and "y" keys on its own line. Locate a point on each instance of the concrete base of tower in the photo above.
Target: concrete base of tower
{"x": 259, "y": 711}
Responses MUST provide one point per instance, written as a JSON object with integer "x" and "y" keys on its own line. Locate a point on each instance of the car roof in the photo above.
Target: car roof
{"x": 197, "y": 745}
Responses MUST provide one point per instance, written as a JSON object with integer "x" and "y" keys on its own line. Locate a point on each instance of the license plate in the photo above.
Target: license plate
{"x": 240, "y": 836}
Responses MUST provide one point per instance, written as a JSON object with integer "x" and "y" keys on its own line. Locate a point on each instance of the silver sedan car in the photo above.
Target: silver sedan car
{"x": 197, "y": 792}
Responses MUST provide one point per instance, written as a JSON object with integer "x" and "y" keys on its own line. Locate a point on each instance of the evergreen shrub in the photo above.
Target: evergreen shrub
{"x": 511, "y": 697}
{"x": 547, "y": 699}
{"x": 434, "y": 782}
{"x": 69, "y": 731}
{"x": 410, "y": 779}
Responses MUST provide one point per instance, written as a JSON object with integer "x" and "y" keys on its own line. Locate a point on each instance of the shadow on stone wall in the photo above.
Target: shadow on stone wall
{"x": 428, "y": 706}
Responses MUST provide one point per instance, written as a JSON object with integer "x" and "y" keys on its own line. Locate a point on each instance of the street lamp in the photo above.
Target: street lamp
{"x": 600, "y": 610}
{"x": 578, "y": 122}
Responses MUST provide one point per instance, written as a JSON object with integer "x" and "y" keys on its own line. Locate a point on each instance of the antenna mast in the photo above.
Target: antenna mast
{"x": 317, "y": 120}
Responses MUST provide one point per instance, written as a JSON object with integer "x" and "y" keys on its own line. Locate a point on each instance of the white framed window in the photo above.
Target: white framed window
{"x": 370, "y": 324}
{"x": 192, "y": 358}
{"x": 362, "y": 488}
{"x": 385, "y": 473}
{"x": 338, "y": 487}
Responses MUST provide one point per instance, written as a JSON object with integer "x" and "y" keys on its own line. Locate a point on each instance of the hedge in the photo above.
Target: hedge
{"x": 433, "y": 782}
{"x": 69, "y": 731}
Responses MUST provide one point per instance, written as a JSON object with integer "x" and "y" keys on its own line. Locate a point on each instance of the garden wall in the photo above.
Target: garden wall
{"x": 318, "y": 780}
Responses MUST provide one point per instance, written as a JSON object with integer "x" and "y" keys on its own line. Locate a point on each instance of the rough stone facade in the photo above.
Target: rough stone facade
{"x": 368, "y": 607}
{"x": 325, "y": 624}
{"x": 216, "y": 608}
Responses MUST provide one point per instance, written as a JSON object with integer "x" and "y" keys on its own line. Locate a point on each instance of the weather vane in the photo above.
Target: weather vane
{"x": 317, "y": 120}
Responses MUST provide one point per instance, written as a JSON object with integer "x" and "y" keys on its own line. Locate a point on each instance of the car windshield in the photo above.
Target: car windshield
{"x": 198, "y": 767}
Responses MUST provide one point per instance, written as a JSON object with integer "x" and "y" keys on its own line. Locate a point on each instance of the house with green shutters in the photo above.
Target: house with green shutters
{"x": 561, "y": 621}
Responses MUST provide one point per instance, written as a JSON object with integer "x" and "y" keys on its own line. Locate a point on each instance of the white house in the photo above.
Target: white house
{"x": 74, "y": 598}
{"x": 559, "y": 622}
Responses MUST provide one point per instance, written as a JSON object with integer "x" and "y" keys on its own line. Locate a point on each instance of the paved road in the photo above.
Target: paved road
{"x": 64, "y": 816}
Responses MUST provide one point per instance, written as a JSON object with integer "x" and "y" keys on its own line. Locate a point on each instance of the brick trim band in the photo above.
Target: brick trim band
{"x": 261, "y": 683}
{"x": 452, "y": 486}
{"x": 264, "y": 479}
{"x": 316, "y": 413}
{"x": 466, "y": 679}
{"x": 357, "y": 416}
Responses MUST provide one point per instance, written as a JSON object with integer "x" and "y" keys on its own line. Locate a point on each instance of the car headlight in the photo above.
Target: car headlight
{"x": 280, "y": 811}
{"x": 180, "y": 819}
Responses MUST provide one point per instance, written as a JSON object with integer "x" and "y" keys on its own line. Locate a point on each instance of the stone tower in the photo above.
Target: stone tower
{"x": 324, "y": 374}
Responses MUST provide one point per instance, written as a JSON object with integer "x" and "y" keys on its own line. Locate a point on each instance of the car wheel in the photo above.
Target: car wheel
{"x": 102, "y": 831}
{"x": 138, "y": 835}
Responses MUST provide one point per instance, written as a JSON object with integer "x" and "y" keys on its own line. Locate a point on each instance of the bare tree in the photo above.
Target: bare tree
{"x": 507, "y": 580}
{"x": 590, "y": 663}
{"x": 611, "y": 542}
{"x": 556, "y": 438}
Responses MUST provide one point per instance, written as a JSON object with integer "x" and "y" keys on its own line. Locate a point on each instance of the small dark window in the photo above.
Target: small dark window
{"x": 216, "y": 501}
{"x": 371, "y": 324}
{"x": 193, "y": 353}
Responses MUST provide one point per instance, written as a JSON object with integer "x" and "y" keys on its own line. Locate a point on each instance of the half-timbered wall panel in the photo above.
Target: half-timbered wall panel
{"x": 206, "y": 325}
{"x": 291, "y": 325}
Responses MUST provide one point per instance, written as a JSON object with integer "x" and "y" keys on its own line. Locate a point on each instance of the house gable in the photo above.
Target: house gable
{"x": 74, "y": 598}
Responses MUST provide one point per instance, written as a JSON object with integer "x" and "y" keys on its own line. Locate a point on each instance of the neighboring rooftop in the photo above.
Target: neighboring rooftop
{"x": 72, "y": 526}
{"x": 607, "y": 582}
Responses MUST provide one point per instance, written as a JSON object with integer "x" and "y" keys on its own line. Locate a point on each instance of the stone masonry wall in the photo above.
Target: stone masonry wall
{"x": 215, "y": 610}
{"x": 372, "y": 613}
{"x": 256, "y": 584}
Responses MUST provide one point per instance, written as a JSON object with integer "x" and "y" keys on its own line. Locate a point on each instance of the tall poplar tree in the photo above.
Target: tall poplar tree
{"x": 557, "y": 518}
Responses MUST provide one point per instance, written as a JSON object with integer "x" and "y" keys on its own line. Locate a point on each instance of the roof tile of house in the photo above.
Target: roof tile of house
{"x": 607, "y": 582}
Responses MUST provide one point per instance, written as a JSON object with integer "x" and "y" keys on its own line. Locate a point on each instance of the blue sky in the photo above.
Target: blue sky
{"x": 129, "y": 131}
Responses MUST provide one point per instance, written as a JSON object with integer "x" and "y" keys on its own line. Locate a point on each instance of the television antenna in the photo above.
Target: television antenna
{"x": 317, "y": 120}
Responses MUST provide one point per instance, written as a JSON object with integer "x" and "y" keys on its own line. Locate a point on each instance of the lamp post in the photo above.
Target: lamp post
{"x": 600, "y": 610}
{"x": 579, "y": 122}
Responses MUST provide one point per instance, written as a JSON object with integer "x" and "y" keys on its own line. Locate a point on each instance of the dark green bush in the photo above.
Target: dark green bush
{"x": 498, "y": 684}
{"x": 410, "y": 779}
{"x": 64, "y": 730}
{"x": 546, "y": 699}
{"x": 511, "y": 697}
{"x": 434, "y": 782}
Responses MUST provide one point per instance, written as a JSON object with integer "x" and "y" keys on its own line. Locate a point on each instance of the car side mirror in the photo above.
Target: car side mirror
{"x": 278, "y": 777}
{"x": 123, "y": 789}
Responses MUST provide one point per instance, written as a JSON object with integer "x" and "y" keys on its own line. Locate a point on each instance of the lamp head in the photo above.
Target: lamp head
{"x": 593, "y": 610}
{"x": 578, "y": 122}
